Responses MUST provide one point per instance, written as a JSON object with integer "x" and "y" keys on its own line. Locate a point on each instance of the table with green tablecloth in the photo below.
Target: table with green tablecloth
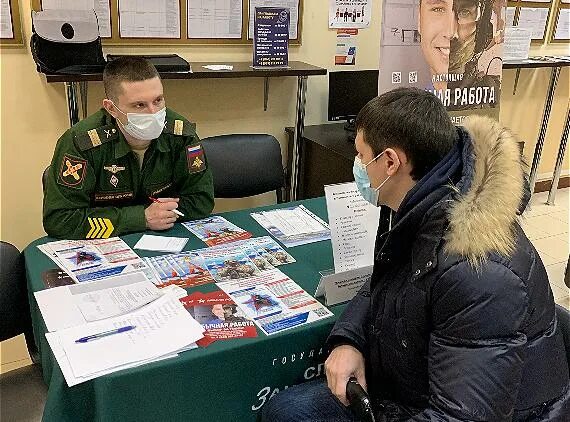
{"x": 229, "y": 380}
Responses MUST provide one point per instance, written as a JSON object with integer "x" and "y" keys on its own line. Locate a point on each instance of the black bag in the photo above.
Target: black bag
{"x": 66, "y": 42}
{"x": 162, "y": 62}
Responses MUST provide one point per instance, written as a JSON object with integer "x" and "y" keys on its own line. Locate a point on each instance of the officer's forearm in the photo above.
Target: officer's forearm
{"x": 196, "y": 205}
{"x": 94, "y": 223}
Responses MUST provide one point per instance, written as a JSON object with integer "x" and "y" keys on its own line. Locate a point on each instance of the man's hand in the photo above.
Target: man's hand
{"x": 344, "y": 362}
{"x": 159, "y": 215}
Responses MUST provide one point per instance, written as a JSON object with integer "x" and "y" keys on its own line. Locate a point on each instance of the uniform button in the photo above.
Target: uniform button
{"x": 429, "y": 264}
{"x": 404, "y": 344}
{"x": 417, "y": 272}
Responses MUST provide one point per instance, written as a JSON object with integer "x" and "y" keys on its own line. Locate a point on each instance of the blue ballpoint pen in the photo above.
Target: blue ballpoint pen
{"x": 105, "y": 334}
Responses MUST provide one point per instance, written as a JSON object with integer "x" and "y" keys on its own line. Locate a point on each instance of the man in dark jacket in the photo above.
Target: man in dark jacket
{"x": 457, "y": 321}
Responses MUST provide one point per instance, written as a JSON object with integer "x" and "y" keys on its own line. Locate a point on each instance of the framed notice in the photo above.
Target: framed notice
{"x": 561, "y": 32}
{"x": 10, "y": 26}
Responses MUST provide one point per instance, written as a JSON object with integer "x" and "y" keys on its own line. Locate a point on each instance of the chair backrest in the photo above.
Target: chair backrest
{"x": 14, "y": 308}
{"x": 245, "y": 165}
{"x": 563, "y": 316}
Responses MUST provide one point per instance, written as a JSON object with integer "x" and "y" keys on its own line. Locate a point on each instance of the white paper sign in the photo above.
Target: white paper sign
{"x": 353, "y": 223}
{"x": 342, "y": 287}
{"x": 349, "y": 13}
{"x": 517, "y": 43}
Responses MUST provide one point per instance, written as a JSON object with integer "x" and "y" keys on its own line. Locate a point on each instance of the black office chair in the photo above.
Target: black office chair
{"x": 22, "y": 391}
{"x": 245, "y": 165}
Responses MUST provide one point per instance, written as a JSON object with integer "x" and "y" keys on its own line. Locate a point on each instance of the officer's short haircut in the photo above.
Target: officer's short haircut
{"x": 414, "y": 121}
{"x": 126, "y": 69}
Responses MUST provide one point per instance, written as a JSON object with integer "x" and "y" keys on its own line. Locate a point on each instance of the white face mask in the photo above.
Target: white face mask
{"x": 144, "y": 126}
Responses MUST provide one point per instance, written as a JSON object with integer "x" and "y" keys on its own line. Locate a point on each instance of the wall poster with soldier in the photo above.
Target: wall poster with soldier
{"x": 453, "y": 48}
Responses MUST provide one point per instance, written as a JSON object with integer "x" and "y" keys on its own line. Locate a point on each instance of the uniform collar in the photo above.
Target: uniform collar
{"x": 122, "y": 147}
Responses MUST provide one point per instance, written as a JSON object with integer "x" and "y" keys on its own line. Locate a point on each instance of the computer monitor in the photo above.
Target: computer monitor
{"x": 349, "y": 91}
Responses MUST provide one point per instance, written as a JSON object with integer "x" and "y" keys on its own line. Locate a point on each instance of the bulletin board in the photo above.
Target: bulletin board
{"x": 534, "y": 13}
{"x": 560, "y": 30}
{"x": 11, "y": 34}
{"x": 120, "y": 18}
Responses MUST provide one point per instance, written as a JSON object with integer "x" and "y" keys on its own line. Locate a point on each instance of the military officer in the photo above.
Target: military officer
{"x": 107, "y": 169}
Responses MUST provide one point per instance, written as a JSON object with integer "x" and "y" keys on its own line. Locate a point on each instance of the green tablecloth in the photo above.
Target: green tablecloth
{"x": 227, "y": 381}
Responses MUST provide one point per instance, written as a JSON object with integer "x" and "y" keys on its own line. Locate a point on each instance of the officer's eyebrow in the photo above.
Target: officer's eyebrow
{"x": 435, "y": 2}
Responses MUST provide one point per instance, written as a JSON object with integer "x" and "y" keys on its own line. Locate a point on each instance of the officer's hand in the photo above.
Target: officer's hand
{"x": 159, "y": 215}
{"x": 344, "y": 362}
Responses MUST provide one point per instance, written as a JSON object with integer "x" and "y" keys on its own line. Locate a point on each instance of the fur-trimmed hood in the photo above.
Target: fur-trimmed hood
{"x": 483, "y": 214}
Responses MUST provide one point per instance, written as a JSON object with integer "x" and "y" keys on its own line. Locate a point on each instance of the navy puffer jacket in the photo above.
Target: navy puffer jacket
{"x": 458, "y": 320}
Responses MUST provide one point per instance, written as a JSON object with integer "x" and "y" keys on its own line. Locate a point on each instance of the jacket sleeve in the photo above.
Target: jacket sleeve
{"x": 193, "y": 180}
{"x": 66, "y": 208}
{"x": 476, "y": 350}
{"x": 351, "y": 327}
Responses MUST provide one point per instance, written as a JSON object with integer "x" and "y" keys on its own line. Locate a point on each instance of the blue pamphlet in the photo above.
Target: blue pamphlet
{"x": 271, "y": 37}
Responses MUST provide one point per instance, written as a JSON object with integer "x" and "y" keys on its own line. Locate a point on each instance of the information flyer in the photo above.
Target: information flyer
{"x": 271, "y": 37}
{"x": 274, "y": 301}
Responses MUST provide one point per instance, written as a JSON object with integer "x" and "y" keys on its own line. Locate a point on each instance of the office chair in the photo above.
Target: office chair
{"x": 22, "y": 391}
{"x": 245, "y": 165}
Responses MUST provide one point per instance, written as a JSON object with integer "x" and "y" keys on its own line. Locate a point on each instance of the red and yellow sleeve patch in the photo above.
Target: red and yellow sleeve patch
{"x": 72, "y": 171}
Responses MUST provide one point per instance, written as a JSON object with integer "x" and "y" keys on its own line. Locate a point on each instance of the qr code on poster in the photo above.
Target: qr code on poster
{"x": 396, "y": 77}
{"x": 413, "y": 77}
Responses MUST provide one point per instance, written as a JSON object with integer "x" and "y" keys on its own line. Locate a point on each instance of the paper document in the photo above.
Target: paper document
{"x": 189, "y": 269}
{"x": 215, "y": 230}
{"x": 71, "y": 380}
{"x": 563, "y": 25}
{"x": 349, "y": 13}
{"x": 68, "y": 306}
{"x": 293, "y": 226}
{"x": 6, "y": 30}
{"x": 162, "y": 327}
{"x": 149, "y": 242}
{"x": 102, "y": 10}
{"x": 214, "y": 19}
{"x": 354, "y": 223}
{"x": 149, "y": 18}
{"x": 218, "y": 67}
{"x": 517, "y": 43}
{"x": 274, "y": 301}
{"x": 533, "y": 19}
{"x": 86, "y": 260}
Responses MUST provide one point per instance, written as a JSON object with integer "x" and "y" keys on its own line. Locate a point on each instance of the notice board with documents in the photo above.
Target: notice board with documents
{"x": 175, "y": 22}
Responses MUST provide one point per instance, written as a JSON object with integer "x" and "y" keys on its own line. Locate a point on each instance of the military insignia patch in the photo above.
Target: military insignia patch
{"x": 72, "y": 171}
{"x": 195, "y": 158}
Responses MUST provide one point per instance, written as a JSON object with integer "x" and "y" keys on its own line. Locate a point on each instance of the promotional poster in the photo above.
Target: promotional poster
{"x": 453, "y": 48}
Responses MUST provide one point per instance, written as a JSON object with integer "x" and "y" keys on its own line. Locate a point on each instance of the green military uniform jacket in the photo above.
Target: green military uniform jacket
{"x": 96, "y": 189}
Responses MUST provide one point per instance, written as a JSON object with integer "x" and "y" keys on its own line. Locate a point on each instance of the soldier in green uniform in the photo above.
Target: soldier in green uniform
{"x": 107, "y": 169}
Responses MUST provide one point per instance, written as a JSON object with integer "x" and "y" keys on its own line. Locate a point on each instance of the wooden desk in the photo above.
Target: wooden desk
{"x": 240, "y": 70}
{"x": 326, "y": 156}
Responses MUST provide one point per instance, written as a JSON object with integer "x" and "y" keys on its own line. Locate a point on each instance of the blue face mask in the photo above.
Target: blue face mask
{"x": 362, "y": 180}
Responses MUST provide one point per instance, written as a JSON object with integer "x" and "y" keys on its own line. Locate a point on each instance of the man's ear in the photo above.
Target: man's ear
{"x": 110, "y": 107}
{"x": 393, "y": 161}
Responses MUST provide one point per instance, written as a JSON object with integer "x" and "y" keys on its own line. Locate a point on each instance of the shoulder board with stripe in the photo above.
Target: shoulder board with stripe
{"x": 95, "y": 137}
{"x": 179, "y": 127}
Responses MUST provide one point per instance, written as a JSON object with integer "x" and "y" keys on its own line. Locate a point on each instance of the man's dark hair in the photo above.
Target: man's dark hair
{"x": 126, "y": 68}
{"x": 411, "y": 119}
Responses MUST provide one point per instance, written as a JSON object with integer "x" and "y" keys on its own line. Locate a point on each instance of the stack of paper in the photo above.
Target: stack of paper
{"x": 68, "y": 306}
{"x": 161, "y": 330}
{"x": 149, "y": 242}
{"x": 293, "y": 226}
